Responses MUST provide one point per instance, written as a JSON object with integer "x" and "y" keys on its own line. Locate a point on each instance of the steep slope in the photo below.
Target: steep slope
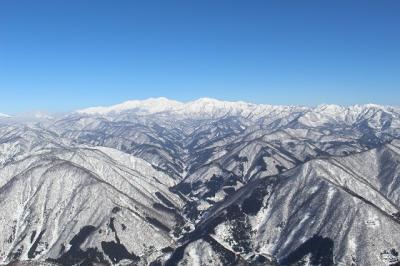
{"x": 75, "y": 204}
{"x": 339, "y": 210}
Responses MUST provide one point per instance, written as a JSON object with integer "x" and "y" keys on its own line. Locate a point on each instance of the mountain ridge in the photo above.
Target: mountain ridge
{"x": 166, "y": 104}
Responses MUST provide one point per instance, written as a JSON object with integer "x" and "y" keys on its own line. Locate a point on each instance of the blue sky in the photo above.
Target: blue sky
{"x": 62, "y": 55}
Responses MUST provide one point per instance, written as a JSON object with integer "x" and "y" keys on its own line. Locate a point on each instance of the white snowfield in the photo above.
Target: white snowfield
{"x": 205, "y": 182}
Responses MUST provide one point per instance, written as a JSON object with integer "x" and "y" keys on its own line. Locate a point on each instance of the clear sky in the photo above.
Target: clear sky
{"x": 62, "y": 55}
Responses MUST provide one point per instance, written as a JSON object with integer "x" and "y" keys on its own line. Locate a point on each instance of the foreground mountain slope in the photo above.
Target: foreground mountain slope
{"x": 321, "y": 212}
{"x": 101, "y": 197}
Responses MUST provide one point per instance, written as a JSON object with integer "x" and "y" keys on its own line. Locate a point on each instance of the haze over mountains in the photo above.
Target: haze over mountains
{"x": 208, "y": 182}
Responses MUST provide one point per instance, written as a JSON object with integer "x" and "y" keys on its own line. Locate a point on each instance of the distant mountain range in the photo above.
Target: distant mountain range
{"x": 207, "y": 182}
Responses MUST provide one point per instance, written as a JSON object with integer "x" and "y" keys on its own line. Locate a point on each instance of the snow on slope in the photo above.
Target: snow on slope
{"x": 48, "y": 199}
{"x": 339, "y": 210}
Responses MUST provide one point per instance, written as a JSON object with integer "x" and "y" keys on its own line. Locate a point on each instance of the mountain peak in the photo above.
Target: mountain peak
{"x": 206, "y": 100}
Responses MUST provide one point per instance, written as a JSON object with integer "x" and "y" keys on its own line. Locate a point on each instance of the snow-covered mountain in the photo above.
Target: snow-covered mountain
{"x": 207, "y": 107}
{"x": 207, "y": 182}
{"x": 201, "y": 108}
